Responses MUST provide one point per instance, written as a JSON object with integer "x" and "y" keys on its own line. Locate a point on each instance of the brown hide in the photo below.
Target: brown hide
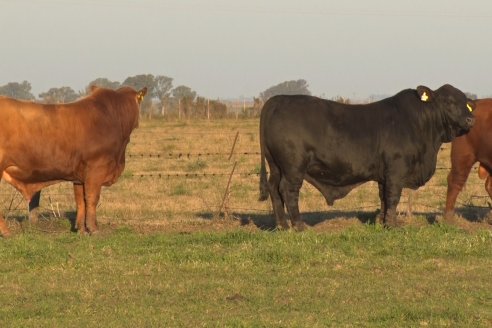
{"x": 476, "y": 146}
{"x": 83, "y": 142}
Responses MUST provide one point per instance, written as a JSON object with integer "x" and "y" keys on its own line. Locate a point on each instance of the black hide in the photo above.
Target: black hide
{"x": 337, "y": 147}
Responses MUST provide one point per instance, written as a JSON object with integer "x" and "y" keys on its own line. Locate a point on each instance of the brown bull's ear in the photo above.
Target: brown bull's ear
{"x": 141, "y": 94}
{"x": 425, "y": 94}
{"x": 470, "y": 104}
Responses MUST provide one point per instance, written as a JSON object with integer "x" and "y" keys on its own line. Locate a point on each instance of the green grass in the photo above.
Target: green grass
{"x": 172, "y": 266}
{"x": 363, "y": 276}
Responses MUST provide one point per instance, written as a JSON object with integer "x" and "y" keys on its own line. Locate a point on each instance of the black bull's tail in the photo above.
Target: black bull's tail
{"x": 263, "y": 174}
{"x": 263, "y": 179}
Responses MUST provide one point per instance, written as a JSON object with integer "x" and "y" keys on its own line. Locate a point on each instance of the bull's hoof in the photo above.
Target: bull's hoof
{"x": 393, "y": 223}
{"x": 282, "y": 225}
{"x": 488, "y": 219}
{"x": 34, "y": 216}
{"x": 82, "y": 232}
{"x": 299, "y": 226}
{"x": 448, "y": 218}
{"x": 4, "y": 230}
{"x": 94, "y": 232}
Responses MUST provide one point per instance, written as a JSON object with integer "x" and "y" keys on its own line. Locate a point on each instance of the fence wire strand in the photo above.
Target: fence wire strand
{"x": 15, "y": 204}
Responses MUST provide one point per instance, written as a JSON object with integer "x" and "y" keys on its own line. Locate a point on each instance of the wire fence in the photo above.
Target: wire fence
{"x": 16, "y": 203}
{"x": 178, "y": 155}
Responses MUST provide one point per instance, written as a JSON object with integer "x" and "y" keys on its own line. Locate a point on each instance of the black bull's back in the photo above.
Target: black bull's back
{"x": 336, "y": 147}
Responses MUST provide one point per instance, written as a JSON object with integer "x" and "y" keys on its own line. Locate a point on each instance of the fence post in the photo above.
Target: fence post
{"x": 179, "y": 108}
{"x": 225, "y": 199}
{"x": 233, "y": 146}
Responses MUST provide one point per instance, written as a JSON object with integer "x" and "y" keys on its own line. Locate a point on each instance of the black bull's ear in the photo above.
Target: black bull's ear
{"x": 425, "y": 94}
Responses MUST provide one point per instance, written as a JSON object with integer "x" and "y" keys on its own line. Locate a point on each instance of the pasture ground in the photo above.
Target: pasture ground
{"x": 165, "y": 257}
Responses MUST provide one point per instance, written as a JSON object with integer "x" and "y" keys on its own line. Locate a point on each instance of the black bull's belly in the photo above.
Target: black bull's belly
{"x": 336, "y": 148}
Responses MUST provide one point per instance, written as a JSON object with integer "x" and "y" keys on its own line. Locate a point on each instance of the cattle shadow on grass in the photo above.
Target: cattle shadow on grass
{"x": 266, "y": 221}
{"x": 72, "y": 218}
{"x": 473, "y": 213}
{"x": 46, "y": 219}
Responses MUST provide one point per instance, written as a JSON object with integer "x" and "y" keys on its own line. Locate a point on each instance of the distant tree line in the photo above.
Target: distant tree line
{"x": 162, "y": 98}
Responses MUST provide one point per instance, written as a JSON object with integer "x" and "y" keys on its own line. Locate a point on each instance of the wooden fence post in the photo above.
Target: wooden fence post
{"x": 225, "y": 199}
{"x": 179, "y": 108}
{"x": 233, "y": 146}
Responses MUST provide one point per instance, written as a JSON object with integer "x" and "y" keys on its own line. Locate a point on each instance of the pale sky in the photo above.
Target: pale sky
{"x": 238, "y": 48}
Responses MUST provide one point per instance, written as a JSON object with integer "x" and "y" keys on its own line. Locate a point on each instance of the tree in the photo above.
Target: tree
{"x": 256, "y": 108}
{"x": 184, "y": 92}
{"x": 293, "y": 87}
{"x": 17, "y": 90}
{"x": 185, "y": 96}
{"x": 162, "y": 86}
{"x": 341, "y": 100}
{"x": 104, "y": 83}
{"x": 201, "y": 107}
{"x": 140, "y": 81}
{"x": 59, "y": 95}
{"x": 217, "y": 109}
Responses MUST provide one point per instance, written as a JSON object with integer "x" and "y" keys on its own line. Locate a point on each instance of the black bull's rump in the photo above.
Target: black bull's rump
{"x": 337, "y": 147}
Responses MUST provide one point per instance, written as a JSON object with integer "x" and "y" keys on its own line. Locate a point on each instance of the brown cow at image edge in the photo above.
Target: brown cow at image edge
{"x": 83, "y": 142}
{"x": 476, "y": 146}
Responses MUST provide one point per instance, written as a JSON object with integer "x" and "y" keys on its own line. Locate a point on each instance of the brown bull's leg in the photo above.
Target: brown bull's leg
{"x": 4, "y": 230}
{"x": 277, "y": 202}
{"x": 92, "y": 192}
{"x": 34, "y": 207}
{"x": 488, "y": 187}
{"x": 78, "y": 190}
{"x": 456, "y": 180}
{"x": 290, "y": 193}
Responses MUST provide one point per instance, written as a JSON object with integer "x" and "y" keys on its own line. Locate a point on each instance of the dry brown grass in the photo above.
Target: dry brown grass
{"x": 148, "y": 202}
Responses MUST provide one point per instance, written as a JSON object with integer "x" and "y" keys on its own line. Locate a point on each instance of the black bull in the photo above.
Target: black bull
{"x": 336, "y": 147}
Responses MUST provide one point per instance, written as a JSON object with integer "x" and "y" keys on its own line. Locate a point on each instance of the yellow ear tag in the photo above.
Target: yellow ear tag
{"x": 469, "y": 107}
{"x": 424, "y": 97}
{"x": 139, "y": 97}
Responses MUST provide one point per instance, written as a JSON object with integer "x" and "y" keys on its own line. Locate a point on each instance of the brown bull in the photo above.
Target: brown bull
{"x": 476, "y": 146}
{"x": 83, "y": 142}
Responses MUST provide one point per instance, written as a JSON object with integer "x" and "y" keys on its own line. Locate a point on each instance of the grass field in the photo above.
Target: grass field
{"x": 166, "y": 258}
